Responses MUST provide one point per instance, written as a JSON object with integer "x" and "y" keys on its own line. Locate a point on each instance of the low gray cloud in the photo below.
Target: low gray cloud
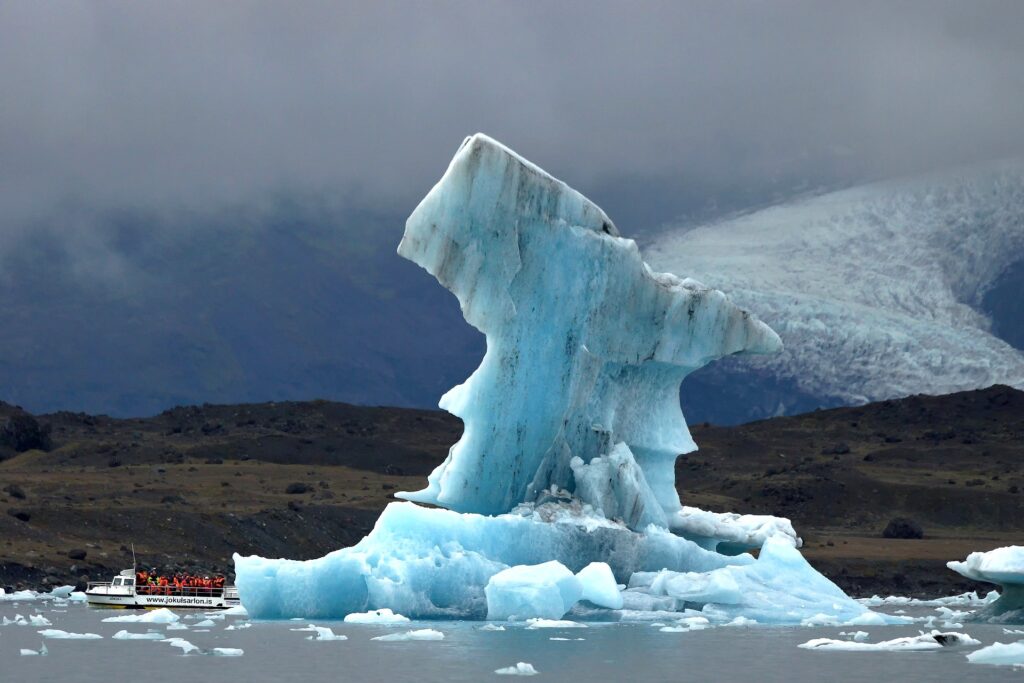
{"x": 196, "y": 103}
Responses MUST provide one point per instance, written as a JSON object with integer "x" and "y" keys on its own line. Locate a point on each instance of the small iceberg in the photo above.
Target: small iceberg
{"x": 936, "y": 640}
{"x": 319, "y": 633}
{"x": 1005, "y": 568}
{"x": 227, "y": 652}
{"x": 148, "y": 635}
{"x": 41, "y": 652}
{"x": 999, "y": 654}
{"x": 420, "y": 634}
{"x": 553, "y": 623}
{"x": 57, "y": 634}
{"x": 157, "y": 616}
{"x": 519, "y": 669}
{"x": 376, "y": 616}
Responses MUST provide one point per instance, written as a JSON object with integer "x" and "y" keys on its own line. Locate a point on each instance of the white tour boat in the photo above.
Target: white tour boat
{"x": 122, "y": 592}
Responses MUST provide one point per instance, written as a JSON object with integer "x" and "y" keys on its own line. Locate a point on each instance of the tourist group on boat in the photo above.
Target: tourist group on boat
{"x": 153, "y": 583}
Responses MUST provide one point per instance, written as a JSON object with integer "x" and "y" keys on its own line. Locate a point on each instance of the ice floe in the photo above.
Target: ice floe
{"x": 157, "y": 616}
{"x": 1000, "y": 654}
{"x": 517, "y": 669}
{"x": 148, "y": 635}
{"x": 376, "y": 616}
{"x": 936, "y": 640}
{"x": 57, "y": 634}
{"x": 553, "y": 623}
{"x": 419, "y": 634}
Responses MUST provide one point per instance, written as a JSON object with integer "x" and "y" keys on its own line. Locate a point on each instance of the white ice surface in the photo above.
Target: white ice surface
{"x": 599, "y": 586}
{"x": 157, "y": 616}
{"x": 1002, "y": 654}
{"x": 518, "y": 669}
{"x": 377, "y": 616}
{"x": 936, "y": 640}
{"x": 538, "y": 622}
{"x": 875, "y": 290}
{"x": 418, "y": 634}
{"x": 148, "y": 635}
{"x": 1002, "y": 566}
{"x": 547, "y": 590}
{"x": 57, "y": 634}
{"x": 319, "y": 633}
{"x": 744, "y": 531}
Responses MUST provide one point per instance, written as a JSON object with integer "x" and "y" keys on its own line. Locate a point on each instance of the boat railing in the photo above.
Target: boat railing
{"x": 182, "y": 591}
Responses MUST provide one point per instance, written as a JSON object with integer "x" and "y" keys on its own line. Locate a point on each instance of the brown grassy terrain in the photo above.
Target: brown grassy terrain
{"x": 192, "y": 485}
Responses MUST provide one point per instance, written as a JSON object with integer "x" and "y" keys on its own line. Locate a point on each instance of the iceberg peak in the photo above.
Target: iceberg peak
{"x": 586, "y": 345}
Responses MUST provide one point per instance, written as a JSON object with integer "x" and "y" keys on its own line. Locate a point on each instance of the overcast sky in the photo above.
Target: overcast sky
{"x": 204, "y": 103}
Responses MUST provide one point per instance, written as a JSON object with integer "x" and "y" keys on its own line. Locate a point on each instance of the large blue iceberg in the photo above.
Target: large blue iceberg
{"x": 572, "y": 430}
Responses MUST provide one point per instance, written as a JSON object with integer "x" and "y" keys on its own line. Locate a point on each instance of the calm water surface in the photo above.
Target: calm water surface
{"x": 608, "y": 652}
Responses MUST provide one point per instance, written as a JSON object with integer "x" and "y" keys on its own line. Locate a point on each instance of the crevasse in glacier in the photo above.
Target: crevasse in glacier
{"x": 572, "y": 429}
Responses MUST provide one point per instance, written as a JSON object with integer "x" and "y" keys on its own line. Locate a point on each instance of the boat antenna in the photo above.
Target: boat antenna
{"x": 134, "y": 566}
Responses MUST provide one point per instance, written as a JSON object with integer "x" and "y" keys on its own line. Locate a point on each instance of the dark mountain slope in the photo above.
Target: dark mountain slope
{"x": 193, "y": 484}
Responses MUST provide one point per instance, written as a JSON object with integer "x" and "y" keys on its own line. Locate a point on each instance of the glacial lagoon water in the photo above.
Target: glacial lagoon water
{"x": 634, "y": 652}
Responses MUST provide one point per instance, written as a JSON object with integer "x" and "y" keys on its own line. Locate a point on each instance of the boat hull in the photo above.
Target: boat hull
{"x": 157, "y": 601}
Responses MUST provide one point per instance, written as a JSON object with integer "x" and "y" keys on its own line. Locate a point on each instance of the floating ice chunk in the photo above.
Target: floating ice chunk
{"x": 39, "y": 620}
{"x": 1000, "y": 654}
{"x": 157, "y": 616}
{"x": 729, "y": 531}
{"x": 236, "y": 611}
{"x": 19, "y": 596}
{"x": 1013, "y": 631}
{"x": 547, "y": 590}
{"x": 936, "y": 640}
{"x": 491, "y": 627}
{"x": 77, "y": 596}
{"x": 519, "y": 669}
{"x": 215, "y": 616}
{"x": 62, "y": 591}
{"x": 148, "y": 635}
{"x": 319, "y": 633}
{"x": 227, "y": 652}
{"x": 376, "y": 616}
{"x": 18, "y": 620}
{"x": 42, "y": 651}
{"x": 553, "y": 623}
{"x": 205, "y": 623}
{"x": 858, "y": 636}
{"x": 177, "y": 626}
{"x": 599, "y": 586}
{"x": 1002, "y": 566}
{"x": 235, "y": 627}
{"x": 57, "y": 634}
{"x": 419, "y": 634}
{"x": 742, "y": 621}
{"x": 565, "y": 639}
{"x": 186, "y": 647}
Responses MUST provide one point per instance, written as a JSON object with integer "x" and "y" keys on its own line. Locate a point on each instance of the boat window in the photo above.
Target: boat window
{"x": 117, "y": 582}
{"x": 129, "y": 582}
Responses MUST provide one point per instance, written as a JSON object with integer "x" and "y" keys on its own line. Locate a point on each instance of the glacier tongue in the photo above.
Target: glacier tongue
{"x": 586, "y": 346}
{"x": 572, "y": 429}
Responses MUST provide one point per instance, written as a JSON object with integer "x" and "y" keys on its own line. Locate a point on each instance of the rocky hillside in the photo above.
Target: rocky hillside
{"x": 192, "y": 485}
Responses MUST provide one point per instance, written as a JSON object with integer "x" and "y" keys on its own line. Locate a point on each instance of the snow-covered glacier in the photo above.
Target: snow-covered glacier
{"x": 572, "y": 429}
{"x": 876, "y": 290}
